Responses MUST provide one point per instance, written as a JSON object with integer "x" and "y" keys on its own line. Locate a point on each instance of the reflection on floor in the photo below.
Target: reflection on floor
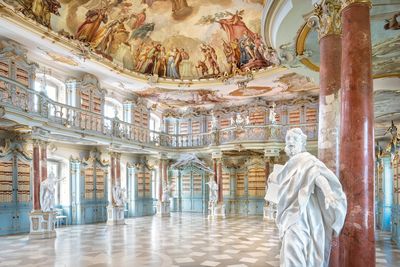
{"x": 181, "y": 240}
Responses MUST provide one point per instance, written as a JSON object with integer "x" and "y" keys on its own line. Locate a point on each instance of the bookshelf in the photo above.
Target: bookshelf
{"x": 24, "y": 177}
{"x": 311, "y": 115}
{"x": 240, "y": 188}
{"x": 197, "y": 184}
{"x": 226, "y": 178}
{"x": 256, "y": 182}
{"x": 100, "y": 183}
{"x": 257, "y": 118}
{"x": 89, "y": 183}
{"x": 6, "y": 181}
{"x": 185, "y": 183}
{"x": 294, "y": 117}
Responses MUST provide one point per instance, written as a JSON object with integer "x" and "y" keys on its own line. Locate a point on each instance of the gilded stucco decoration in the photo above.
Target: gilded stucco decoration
{"x": 327, "y": 18}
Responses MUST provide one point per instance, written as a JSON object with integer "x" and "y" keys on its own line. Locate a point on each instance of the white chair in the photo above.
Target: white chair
{"x": 60, "y": 217}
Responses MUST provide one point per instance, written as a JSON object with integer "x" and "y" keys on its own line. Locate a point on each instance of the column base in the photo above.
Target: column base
{"x": 270, "y": 212}
{"x": 163, "y": 209}
{"x": 115, "y": 215}
{"x": 42, "y": 224}
{"x": 216, "y": 211}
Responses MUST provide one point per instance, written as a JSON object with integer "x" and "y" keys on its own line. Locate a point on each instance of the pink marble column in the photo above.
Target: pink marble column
{"x": 43, "y": 160}
{"x": 357, "y": 243}
{"x": 330, "y": 45}
{"x": 118, "y": 169}
{"x": 112, "y": 170}
{"x": 160, "y": 184}
{"x": 165, "y": 171}
{"x": 36, "y": 175}
{"x": 219, "y": 181}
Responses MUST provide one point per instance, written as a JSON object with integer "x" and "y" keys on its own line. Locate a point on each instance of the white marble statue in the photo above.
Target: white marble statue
{"x": 272, "y": 114}
{"x": 213, "y": 198}
{"x": 47, "y": 192}
{"x": 118, "y": 195}
{"x": 311, "y": 206}
{"x": 166, "y": 194}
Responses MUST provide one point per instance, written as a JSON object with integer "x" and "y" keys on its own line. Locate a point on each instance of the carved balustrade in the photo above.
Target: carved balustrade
{"x": 38, "y": 106}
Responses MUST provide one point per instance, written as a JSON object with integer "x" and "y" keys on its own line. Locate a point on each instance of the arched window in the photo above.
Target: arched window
{"x": 51, "y": 86}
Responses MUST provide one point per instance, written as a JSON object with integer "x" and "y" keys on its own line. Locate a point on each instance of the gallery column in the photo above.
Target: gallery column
{"x": 36, "y": 175}
{"x": 357, "y": 244}
{"x": 163, "y": 204}
{"x": 217, "y": 209}
{"x": 116, "y": 207}
{"x": 327, "y": 20}
{"x": 42, "y": 218}
{"x": 43, "y": 160}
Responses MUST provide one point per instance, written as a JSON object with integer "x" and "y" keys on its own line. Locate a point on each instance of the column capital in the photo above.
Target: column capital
{"x": 115, "y": 154}
{"x": 216, "y": 155}
{"x": 346, "y": 3}
{"x": 326, "y": 18}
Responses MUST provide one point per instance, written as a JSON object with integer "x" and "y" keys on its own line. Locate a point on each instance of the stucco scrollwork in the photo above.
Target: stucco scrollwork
{"x": 326, "y": 18}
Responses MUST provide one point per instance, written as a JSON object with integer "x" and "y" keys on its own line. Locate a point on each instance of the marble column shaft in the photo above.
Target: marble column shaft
{"x": 160, "y": 184}
{"x": 36, "y": 176}
{"x": 118, "y": 169}
{"x": 43, "y": 160}
{"x": 357, "y": 241}
{"x": 219, "y": 181}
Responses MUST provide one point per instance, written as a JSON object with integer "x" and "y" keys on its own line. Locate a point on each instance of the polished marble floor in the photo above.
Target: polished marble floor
{"x": 181, "y": 240}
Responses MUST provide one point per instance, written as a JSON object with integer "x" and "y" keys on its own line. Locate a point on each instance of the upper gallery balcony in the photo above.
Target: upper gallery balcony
{"x": 25, "y": 106}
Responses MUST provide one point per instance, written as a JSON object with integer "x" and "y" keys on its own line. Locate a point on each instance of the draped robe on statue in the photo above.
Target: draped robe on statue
{"x": 302, "y": 218}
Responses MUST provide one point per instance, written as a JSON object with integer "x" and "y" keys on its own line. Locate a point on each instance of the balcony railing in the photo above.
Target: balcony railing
{"x": 18, "y": 97}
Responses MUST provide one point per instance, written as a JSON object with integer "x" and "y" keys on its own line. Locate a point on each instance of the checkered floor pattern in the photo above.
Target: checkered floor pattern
{"x": 180, "y": 240}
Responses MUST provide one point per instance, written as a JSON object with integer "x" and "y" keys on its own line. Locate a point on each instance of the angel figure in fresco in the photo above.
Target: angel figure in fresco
{"x": 40, "y": 10}
{"x": 114, "y": 35}
{"x": 88, "y": 30}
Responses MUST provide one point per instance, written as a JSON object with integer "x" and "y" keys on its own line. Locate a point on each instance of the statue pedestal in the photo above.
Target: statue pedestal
{"x": 270, "y": 212}
{"x": 42, "y": 224}
{"x": 115, "y": 215}
{"x": 163, "y": 208}
{"x": 216, "y": 210}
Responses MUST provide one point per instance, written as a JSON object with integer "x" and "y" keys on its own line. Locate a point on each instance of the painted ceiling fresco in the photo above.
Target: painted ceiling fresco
{"x": 176, "y": 39}
{"x": 284, "y": 86}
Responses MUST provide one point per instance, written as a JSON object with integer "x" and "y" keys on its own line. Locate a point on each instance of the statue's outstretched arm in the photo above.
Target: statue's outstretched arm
{"x": 330, "y": 197}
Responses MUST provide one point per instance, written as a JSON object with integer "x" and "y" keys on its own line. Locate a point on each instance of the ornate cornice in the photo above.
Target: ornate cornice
{"x": 346, "y": 3}
{"x": 326, "y": 18}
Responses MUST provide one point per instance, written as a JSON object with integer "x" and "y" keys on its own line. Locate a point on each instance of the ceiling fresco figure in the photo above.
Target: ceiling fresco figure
{"x": 40, "y": 10}
{"x": 88, "y": 30}
{"x": 180, "y": 9}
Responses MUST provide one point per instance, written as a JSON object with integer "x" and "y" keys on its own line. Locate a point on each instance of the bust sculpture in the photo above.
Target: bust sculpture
{"x": 118, "y": 194}
{"x": 311, "y": 206}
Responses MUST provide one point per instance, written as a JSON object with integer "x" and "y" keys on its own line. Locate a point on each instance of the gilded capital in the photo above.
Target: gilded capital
{"x": 327, "y": 18}
{"x": 346, "y": 3}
